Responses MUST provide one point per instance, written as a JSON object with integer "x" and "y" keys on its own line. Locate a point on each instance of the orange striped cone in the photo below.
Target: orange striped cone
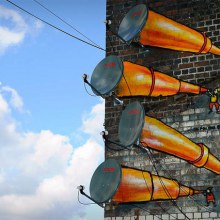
{"x": 143, "y": 81}
{"x": 160, "y": 137}
{"x": 153, "y": 29}
{"x": 140, "y": 186}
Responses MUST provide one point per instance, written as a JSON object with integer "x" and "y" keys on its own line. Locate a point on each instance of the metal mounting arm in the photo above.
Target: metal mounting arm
{"x": 116, "y": 100}
{"x": 81, "y": 188}
{"x": 87, "y": 82}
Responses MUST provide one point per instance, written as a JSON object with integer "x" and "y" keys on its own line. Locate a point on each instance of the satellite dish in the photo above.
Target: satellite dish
{"x": 133, "y": 22}
{"x": 107, "y": 75}
{"x": 137, "y": 80}
{"x": 131, "y": 124}
{"x": 121, "y": 184}
{"x": 147, "y": 27}
{"x": 105, "y": 181}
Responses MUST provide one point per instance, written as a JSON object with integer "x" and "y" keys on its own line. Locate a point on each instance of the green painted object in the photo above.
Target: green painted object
{"x": 105, "y": 181}
{"x": 107, "y": 75}
{"x": 131, "y": 124}
{"x": 133, "y": 22}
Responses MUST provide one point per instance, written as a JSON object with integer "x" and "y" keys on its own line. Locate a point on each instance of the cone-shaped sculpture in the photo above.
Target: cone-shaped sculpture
{"x": 159, "y": 136}
{"x": 151, "y": 28}
{"x": 147, "y": 82}
{"x": 139, "y": 186}
{"x": 129, "y": 79}
{"x": 155, "y": 134}
{"x": 121, "y": 184}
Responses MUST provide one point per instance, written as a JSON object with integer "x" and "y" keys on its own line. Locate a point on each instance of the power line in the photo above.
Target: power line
{"x": 53, "y": 26}
{"x": 43, "y": 6}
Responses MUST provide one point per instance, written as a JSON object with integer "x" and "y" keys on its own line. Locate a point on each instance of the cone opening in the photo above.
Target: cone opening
{"x": 133, "y": 22}
{"x": 105, "y": 181}
{"x": 131, "y": 124}
{"x": 107, "y": 75}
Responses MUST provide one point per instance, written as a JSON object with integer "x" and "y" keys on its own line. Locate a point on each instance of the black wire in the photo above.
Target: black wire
{"x": 149, "y": 157}
{"x": 114, "y": 149}
{"x": 91, "y": 203}
{"x": 88, "y": 91}
{"x": 65, "y": 22}
{"x": 189, "y": 196}
{"x": 127, "y": 84}
{"x": 51, "y": 25}
{"x": 164, "y": 187}
{"x": 152, "y": 196}
{"x": 93, "y": 88}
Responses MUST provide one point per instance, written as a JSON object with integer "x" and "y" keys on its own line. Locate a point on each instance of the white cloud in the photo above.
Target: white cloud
{"x": 15, "y": 34}
{"x": 3, "y": 106}
{"x": 90, "y": 125}
{"x": 40, "y": 171}
{"x": 9, "y": 37}
{"x": 13, "y": 28}
{"x": 15, "y": 99}
{"x": 19, "y": 22}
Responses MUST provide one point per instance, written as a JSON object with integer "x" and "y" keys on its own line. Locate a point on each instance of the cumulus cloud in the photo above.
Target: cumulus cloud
{"x": 40, "y": 171}
{"x": 15, "y": 99}
{"x": 3, "y": 106}
{"x": 15, "y": 34}
{"x": 90, "y": 120}
{"x": 13, "y": 28}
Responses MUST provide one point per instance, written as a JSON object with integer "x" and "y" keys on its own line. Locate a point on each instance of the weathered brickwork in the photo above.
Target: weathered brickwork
{"x": 188, "y": 114}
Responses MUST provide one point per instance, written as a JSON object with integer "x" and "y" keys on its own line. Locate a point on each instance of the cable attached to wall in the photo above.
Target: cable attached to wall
{"x": 189, "y": 196}
{"x": 152, "y": 197}
{"x": 164, "y": 187}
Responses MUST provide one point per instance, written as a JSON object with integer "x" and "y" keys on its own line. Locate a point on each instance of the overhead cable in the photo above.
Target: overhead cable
{"x": 53, "y": 26}
{"x": 43, "y": 6}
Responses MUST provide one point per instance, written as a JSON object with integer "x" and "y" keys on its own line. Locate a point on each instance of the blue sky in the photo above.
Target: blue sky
{"x": 49, "y": 125}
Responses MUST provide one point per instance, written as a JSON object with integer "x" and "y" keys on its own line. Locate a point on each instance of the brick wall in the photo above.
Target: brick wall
{"x": 186, "y": 113}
